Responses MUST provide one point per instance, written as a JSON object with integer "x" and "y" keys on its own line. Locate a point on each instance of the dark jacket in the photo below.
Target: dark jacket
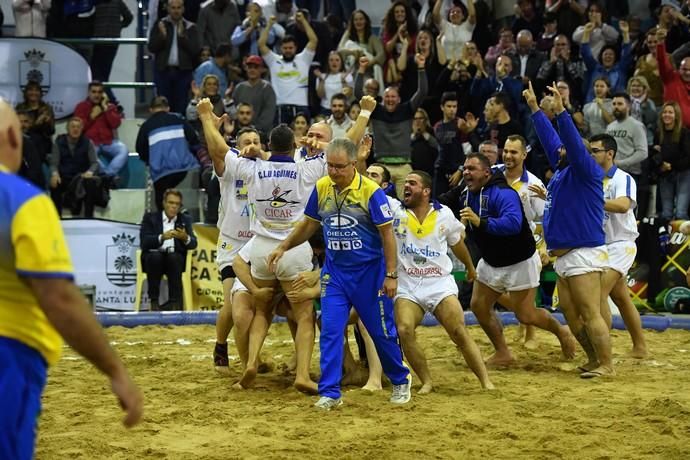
{"x": 675, "y": 153}
{"x": 32, "y": 164}
{"x": 503, "y": 236}
{"x": 164, "y": 143}
{"x": 72, "y": 164}
{"x": 189, "y": 46}
{"x": 152, "y": 228}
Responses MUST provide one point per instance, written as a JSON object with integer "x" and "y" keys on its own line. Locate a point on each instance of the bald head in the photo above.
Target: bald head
{"x": 524, "y": 41}
{"x": 10, "y": 138}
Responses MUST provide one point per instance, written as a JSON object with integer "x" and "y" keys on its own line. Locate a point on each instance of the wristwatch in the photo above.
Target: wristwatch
{"x": 392, "y": 275}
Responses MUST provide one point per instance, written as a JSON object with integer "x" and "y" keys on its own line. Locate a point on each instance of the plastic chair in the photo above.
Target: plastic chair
{"x": 187, "y": 302}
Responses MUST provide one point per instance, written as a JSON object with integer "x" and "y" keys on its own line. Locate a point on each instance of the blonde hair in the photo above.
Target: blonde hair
{"x": 677, "y": 122}
{"x": 639, "y": 79}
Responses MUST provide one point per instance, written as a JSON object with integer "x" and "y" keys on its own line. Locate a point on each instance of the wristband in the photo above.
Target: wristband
{"x": 365, "y": 113}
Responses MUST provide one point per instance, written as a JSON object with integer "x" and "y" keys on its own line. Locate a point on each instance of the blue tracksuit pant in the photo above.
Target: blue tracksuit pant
{"x": 360, "y": 287}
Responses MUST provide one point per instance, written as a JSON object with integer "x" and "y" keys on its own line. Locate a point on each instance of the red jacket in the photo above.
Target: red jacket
{"x": 675, "y": 89}
{"x": 100, "y": 129}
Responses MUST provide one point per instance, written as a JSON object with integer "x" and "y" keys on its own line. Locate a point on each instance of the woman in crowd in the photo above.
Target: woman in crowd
{"x": 42, "y": 113}
{"x": 210, "y": 87}
{"x": 601, "y": 33}
{"x": 424, "y": 146}
{"x": 610, "y": 64}
{"x": 456, "y": 29}
{"x": 646, "y": 66}
{"x": 334, "y": 81}
{"x": 598, "y": 113}
{"x": 672, "y": 159}
{"x": 399, "y": 25}
{"x": 642, "y": 108}
{"x": 358, "y": 41}
{"x": 246, "y": 35}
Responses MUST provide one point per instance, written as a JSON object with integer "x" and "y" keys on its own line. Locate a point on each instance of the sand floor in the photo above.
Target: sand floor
{"x": 540, "y": 409}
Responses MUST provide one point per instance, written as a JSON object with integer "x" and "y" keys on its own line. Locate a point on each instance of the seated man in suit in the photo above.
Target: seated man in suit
{"x": 165, "y": 238}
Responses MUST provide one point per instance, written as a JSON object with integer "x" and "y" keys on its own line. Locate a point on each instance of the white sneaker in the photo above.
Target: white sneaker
{"x": 402, "y": 393}
{"x": 326, "y": 403}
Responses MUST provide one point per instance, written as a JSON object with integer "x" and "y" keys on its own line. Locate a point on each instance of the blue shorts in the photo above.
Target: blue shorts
{"x": 22, "y": 378}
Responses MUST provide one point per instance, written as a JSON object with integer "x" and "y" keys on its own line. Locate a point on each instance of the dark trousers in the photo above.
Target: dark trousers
{"x": 286, "y": 113}
{"x": 164, "y": 183}
{"x": 171, "y": 264}
{"x": 174, "y": 84}
{"x": 58, "y": 196}
{"x": 102, "y": 64}
{"x": 642, "y": 181}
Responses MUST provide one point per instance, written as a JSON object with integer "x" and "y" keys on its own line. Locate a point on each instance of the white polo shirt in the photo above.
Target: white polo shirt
{"x": 423, "y": 248}
{"x": 290, "y": 79}
{"x": 620, "y": 226}
{"x": 234, "y": 210}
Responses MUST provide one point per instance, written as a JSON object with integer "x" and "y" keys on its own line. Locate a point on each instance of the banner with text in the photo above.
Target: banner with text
{"x": 103, "y": 254}
{"x": 63, "y": 73}
{"x": 206, "y": 282}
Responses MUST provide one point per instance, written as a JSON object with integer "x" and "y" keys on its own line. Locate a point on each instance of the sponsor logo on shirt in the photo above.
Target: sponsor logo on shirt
{"x": 426, "y": 251}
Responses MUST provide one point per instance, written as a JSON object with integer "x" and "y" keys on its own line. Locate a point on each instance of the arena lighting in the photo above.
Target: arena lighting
{"x": 184, "y": 318}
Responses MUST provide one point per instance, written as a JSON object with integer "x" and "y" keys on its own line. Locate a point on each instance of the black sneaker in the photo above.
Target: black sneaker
{"x": 220, "y": 358}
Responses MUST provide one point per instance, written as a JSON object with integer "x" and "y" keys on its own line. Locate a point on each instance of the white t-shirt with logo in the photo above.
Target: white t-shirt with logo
{"x": 278, "y": 190}
{"x": 234, "y": 210}
{"x": 290, "y": 79}
{"x": 532, "y": 204}
{"x": 620, "y": 226}
{"x": 423, "y": 248}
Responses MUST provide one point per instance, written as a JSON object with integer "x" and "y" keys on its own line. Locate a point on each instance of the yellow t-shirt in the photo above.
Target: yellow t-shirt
{"x": 32, "y": 245}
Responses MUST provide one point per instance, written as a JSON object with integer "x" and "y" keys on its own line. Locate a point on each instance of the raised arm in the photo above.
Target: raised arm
{"x": 422, "y": 83}
{"x": 311, "y": 35}
{"x": 263, "y": 37}
{"x": 666, "y": 70}
{"x": 436, "y": 13}
{"x": 215, "y": 143}
{"x": 542, "y": 126}
{"x": 355, "y": 133}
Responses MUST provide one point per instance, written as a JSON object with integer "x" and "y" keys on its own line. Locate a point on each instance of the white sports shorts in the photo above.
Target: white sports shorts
{"x": 293, "y": 262}
{"x": 426, "y": 292}
{"x": 622, "y": 256}
{"x": 517, "y": 277}
{"x": 227, "y": 250}
{"x": 581, "y": 261}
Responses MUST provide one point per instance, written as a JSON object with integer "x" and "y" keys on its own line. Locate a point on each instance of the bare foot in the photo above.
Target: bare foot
{"x": 292, "y": 364}
{"x": 568, "y": 343}
{"x": 238, "y": 386}
{"x": 426, "y": 389}
{"x": 531, "y": 344}
{"x": 248, "y": 377}
{"x": 520, "y": 335}
{"x": 307, "y": 386}
{"x": 639, "y": 353}
{"x": 600, "y": 371}
{"x": 497, "y": 360}
{"x": 373, "y": 386}
{"x": 488, "y": 386}
{"x": 223, "y": 370}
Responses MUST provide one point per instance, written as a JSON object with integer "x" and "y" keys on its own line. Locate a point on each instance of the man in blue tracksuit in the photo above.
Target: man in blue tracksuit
{"x": 574, "y": 232}
{"x": 360, "y": 269}
{"x": 510, "y": 262}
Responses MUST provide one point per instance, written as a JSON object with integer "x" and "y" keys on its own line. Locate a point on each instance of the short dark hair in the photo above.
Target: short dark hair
{"x": 449, "y": 96}
{"x": 386, "y": 174}
{"x": 502, "y": 99}
{"x": 93, "y": 83}
{"x": 282, "y": 140}
{"x": 289, "y": 38}
{"x": 425, "y": 176}
{"x": 517, "y": 137}
{"x": 245, "y": 104}
{"x": 482, "y": 159}
{"x": 607, "y": 140}
{"x": 159, "y": 102}
{"x": 223, "y": 49}
{"x": 340, "y": 97}
{"x": 622, "y": 94}
{"x": 172, "y": 191}
{"x": 608, "y": 47}
{"x": 245, "y": 130}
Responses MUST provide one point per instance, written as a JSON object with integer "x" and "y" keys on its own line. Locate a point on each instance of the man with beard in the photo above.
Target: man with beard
{"x": 425, "y": 230}
{"x": 258, "y": 93}
{"x": 510, "y": 262}
{"x": 631, "y": 137}
{"x": 290, "y": 71}
{"x": 339, "y": 121}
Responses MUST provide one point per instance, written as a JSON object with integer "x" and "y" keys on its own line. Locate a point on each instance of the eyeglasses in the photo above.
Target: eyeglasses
{"x": 339, "y": 167}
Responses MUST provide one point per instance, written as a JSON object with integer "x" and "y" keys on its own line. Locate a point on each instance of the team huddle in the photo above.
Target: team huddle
{"x": 317, "y": 228}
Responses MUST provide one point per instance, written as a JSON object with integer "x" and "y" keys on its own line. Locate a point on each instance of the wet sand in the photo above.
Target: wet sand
{"x": 540, "y": 410}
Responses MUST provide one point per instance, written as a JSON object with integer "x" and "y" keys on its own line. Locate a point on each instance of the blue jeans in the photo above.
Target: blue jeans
{"x": 674, "y": 189}
{"x": 118, "y": 154}
{"x": 174, "y": 84}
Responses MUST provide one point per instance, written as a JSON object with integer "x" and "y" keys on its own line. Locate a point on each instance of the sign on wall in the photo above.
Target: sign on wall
{"x": 63, "y": 73}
